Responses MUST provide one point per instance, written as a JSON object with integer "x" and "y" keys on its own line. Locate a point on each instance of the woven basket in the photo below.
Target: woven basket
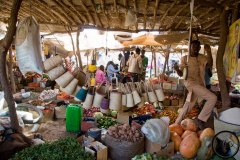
{"x": 56, "y": 72}
{"x": 71, "y": 87}
{"x": 52, "y": 62}
{"x": 64, "y": 79}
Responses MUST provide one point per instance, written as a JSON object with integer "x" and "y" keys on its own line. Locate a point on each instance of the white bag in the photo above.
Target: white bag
{"x": 28, "y": 46}
{"x": 157, "y": 130}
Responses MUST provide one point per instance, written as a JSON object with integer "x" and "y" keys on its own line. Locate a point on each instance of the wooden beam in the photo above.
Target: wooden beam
{"x": 58, "y": 15}
{"x": 99, "y": 21}
{"x": 63, "y": 12}
{"x": 84, "y": 19}
{"x": 135, "y": 9}
{"x": 189, "y": 14}
{"x": 211, "y": 19}
{"x": 211, "y": 24}
{"x": 63, "y": 5}
{"x": 177, "y": 13}
{"x": 161, "y": 20}
{"x": 88, "y": 13}
{"x": 145, "y": 13}
{"x": 104, "y": 12}
{"x": 205, "y": 13}
{"x": 154, "y": 13}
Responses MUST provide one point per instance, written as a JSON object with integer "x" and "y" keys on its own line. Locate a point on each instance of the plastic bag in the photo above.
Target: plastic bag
{"x": 157, "y": 131}
{"x": 28, "y": 46}
{"x": 130, "y": 19}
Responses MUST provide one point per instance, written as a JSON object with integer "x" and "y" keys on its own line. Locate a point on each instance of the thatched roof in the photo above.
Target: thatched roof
{"x": 160, "y": 15}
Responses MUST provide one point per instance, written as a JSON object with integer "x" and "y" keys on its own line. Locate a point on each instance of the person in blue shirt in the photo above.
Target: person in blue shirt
{"x": 111, "y": 70}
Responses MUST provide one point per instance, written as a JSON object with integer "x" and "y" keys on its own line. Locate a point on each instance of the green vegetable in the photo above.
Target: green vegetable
{"x": 64, "y": 149}
{"x": 105, "y": 122}
{"x": 97, "y": 115}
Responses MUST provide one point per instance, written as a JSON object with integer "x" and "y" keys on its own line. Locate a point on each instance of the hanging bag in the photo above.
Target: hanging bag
{"x": 136, "y": 96}
{"x": 87, "y": 104}
{"x": 159, "y": 91}
{"x": 99, "y": 95}
{"x": 115, "y": 98}
{"x": 151, "y": 94}
{"x": 82, "y": 93}
{"x": 145, "y": 91}
{"x": 105, "y": 102}
{"x": 124, "y": 96}
{"x": 130, "y": 102}
{"x": 139, "y": 88}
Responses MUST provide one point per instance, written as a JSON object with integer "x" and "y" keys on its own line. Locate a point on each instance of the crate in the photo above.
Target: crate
{"x": 101, "y": 151}
{"x": 167, "y": 102}
{"x": 174, "y": 102}
{"x": 151, "y": 147}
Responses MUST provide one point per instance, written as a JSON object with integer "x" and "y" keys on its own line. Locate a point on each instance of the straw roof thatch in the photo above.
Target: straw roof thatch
{"x": 160, "y": 15}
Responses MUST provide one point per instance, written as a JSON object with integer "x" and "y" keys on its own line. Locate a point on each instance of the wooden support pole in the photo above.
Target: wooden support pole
{"x": 220, "y": 68}
{"x": 155, "y": 64}
{"x": 78, "y": 49}
{"x": 5, "y": 43}
{"x": 10, "y": 71}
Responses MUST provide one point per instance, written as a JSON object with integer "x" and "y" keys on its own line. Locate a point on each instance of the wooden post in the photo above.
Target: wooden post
{"x": 166, "y": 58}
{"x": 5, "y": 43}
{"x": 78, "y": 50}
{"x": 155, "y": 64}
{"x": 151, "y": 62}
{"x": 219, "y": 61}
{"x": 10, "y": 71}
{"x": 74, "y": 51}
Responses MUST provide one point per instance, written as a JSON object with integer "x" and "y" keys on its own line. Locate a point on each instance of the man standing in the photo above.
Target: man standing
{"x": 195, "y": 85}
{"x": 135, "y": 65}
{"x": 144, "y": 64}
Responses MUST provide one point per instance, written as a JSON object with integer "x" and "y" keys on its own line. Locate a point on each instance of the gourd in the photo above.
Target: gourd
{"x": 176, "y": 128}
{"x": 208, "y": 132}
{"x": 186, "y": 133}
{"x": 189, "y": 124}
{"x": 176, "y": 139}
{"x": 189, "y": 146}
{"x": 205, "y": 151}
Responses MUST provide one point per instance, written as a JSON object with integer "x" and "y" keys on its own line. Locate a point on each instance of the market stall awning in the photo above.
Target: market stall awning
{"x": 148, "y": 40}
{"x": 171, "y": 38}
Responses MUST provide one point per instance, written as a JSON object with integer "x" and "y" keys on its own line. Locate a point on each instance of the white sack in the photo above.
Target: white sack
{"x": 28, "y": 46}
{"x": 231, "y": 115}
{"x": 157, "y": 131}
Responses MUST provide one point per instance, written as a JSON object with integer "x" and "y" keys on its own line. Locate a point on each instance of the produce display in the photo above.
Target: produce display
{"x": 193, "y": 113}
{"x": 190, "y": 142}
{"x": 36, "y": 102}
{"x": 169, "y": 113}
{"x": 48, "y": 94}
{"x": 146, "y": 109}
{"x": 105, "y": 122}
{"x": 148, "y": 156}
{"x": 67, "y": 148}
{"x": 90, "y": 112}
{"x": 125, "y": 132}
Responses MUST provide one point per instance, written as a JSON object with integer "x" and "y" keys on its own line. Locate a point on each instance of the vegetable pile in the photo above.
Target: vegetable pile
{"x": 148, "y": 156}
{"x": 90, "y": 112}
{"x": 169, "y": 113}
{"x": 125, "y": 133}
{"x": 63, "y": 149}
{"x": 193, "y": 113}
{"x": 146, "y": 109}
{"x": 105, "y": 122}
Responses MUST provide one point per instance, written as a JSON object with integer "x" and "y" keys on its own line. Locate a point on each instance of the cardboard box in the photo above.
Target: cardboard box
{"x": 175, "y": 102}
{"x": 102, "y": 150}
{"x": 84, "y": 140}
{"x": 166, "y": 102}
{"x": 123, "y": 117}
{"x": 151, "y": 147}
{"x": 167, "y": 86}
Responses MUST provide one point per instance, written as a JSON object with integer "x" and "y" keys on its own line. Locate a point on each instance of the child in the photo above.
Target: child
{"x": 100, "y": 75}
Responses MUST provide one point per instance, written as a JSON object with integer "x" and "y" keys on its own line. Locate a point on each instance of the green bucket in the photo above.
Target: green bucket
{"x": 73, "y": 117}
